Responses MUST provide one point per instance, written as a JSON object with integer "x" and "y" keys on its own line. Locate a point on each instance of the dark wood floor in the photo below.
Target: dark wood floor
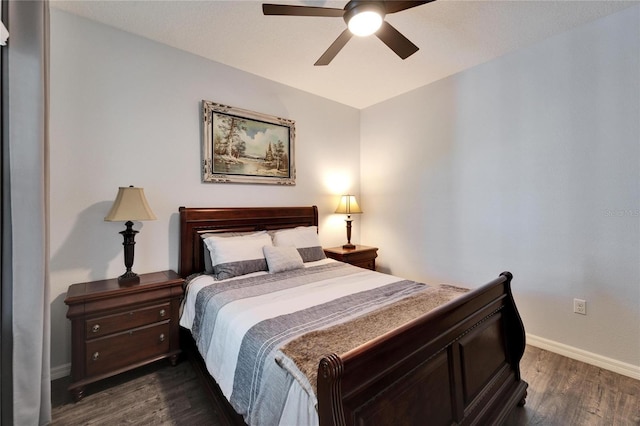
{"x": 158, "y": 394}
{"x": 562, "y": 392}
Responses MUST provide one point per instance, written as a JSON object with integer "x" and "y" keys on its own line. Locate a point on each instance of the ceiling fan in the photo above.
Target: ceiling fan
{"x": 363, "y": 18}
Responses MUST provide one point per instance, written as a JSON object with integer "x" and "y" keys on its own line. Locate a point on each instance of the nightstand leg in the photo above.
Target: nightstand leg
{"x": 77, "y": 393}
{"x": 174, "y": 360}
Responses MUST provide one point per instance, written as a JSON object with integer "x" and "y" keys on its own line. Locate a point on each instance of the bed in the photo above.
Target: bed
{"x": 458, "y": 363}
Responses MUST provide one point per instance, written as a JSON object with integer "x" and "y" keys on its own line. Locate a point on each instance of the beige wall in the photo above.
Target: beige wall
{"x": 126, "y": 111}
{"x": 529, "y": 163}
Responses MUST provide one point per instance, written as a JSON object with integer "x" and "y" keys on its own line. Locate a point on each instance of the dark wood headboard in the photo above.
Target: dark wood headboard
{"x": 197, "y": 221}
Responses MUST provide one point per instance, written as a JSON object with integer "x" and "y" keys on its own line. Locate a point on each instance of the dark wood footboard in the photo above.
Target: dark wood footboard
{"x": 458, "y": 364}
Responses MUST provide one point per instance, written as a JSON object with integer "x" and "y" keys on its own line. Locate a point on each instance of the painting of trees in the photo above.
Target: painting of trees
{"x": 244, "y": 146}
{"x": 228, "y": 140}
{"x": 279, "y": 154}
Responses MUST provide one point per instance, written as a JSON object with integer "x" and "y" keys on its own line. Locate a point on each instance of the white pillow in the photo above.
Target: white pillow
{"x": 304, "y": 238}
{"x": 280, "y": 259}
{"x": 206, "y": 255}
{"x": 235, "y": 256}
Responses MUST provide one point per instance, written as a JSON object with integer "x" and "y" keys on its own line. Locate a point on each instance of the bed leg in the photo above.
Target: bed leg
{"x": 523, "y": 400}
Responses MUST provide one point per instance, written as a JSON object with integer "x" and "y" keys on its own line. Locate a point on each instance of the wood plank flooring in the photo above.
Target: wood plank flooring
{"x": 562, "y": 392}
{"x": 158, "y": 394}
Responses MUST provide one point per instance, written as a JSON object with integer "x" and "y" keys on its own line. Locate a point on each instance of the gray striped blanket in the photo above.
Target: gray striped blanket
{"x": 241, "y": 325}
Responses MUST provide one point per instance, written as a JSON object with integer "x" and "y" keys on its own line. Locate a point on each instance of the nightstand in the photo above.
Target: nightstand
{"x": 115, "y": 328}
{"x": 362, "y": 256}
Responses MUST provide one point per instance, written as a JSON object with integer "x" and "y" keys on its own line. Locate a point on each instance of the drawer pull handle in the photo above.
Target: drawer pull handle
{"x": 95, "y": 328}
{"x": 162, "y": 337}
{"x": 96, "y": 355}
{"x": 162, "y": 312}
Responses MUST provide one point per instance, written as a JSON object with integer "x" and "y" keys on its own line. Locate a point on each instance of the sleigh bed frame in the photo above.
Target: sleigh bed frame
{"x": 458, "y": 364}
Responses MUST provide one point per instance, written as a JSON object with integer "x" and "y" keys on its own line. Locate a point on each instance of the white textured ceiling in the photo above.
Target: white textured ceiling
{"x": 452, "y": 36}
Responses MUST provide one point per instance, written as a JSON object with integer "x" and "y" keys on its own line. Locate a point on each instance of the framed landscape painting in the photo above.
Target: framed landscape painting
{"x": 241, "y": 146}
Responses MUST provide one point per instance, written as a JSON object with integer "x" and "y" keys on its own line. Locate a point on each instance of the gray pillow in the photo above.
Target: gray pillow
{"x": 280, "y": 259}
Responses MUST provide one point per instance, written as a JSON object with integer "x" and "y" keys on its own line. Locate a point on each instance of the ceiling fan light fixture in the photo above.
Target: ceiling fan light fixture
{"x": 365, "y": 23}
{"x": 364, "y": 18}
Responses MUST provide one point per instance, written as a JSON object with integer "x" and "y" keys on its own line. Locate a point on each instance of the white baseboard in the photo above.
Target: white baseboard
{"x": 60, "y": 371}
{"x": 610, "y": 364}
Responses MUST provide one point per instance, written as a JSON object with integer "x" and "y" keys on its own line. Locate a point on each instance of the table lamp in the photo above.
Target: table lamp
{"x": 348, "y": 205}
{"x": 130, "y": 205}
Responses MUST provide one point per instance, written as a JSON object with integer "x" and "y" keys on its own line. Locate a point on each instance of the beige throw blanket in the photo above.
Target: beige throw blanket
{"x": 307, "y": 350}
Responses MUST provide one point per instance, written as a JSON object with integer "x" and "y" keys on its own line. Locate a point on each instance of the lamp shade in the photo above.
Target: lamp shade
{"x": 348, "y": 205}
{"x": 130, "y": 204}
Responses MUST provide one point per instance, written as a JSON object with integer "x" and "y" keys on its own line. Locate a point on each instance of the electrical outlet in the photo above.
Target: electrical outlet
{"x": 580, "y": 306}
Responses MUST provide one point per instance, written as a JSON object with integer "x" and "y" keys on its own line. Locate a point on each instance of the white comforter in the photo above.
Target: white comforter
{"x": 236, "y": 315}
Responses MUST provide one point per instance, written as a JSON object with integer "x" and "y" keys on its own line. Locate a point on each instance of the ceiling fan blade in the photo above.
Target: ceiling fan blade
{"x": 396, "y": 41}
{"x": 397, "y": 6}
{"x": 283, "y": 9}
{"x": 335, "y": 47}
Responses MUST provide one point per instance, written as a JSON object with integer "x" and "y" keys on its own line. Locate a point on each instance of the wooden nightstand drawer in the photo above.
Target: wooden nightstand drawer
{"x": 362, "y": 256}
{"x": 115, "y": 328}
{"x": 367, "y": 264}
{"x": 119, "y": 350}
{"x": 101, "y": 326}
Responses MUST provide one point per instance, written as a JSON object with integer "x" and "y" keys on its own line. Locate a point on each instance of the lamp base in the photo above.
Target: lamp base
{"x": 129, "y": 278}
{"x": 348, "y": 246}
{"x": 129, "y": 234}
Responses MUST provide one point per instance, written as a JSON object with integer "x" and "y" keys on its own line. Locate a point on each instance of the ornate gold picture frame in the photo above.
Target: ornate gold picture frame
{"x": 241, "y": 146}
